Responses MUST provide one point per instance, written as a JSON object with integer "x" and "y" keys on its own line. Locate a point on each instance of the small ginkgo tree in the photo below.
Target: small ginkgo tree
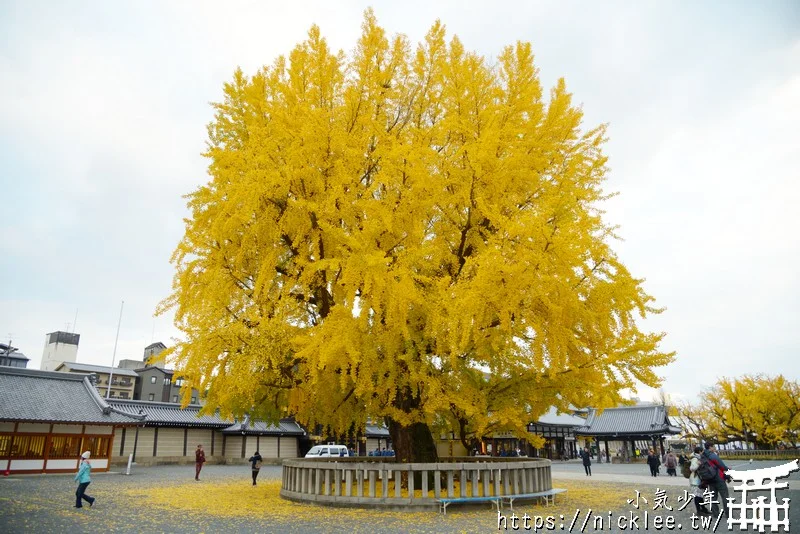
{"x": 408, "y": 235}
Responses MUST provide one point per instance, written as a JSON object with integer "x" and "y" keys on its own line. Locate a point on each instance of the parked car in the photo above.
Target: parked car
{"x": 328, "y": 451}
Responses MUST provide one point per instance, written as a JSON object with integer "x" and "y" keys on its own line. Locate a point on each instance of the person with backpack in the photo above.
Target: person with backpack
{"x": 256, "y": 460}
{"x": 671, "y": 463}
{"x": 711, "y": 472}
{"x": 695, "y": 489}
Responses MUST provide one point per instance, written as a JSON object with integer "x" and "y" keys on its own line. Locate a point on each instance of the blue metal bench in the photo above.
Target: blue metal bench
{"x": 549, "y": 496}
{"x": 450, "y": 500}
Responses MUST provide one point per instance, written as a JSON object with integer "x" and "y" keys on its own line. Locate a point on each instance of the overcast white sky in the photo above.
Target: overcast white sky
{"x": 103, "y": 107}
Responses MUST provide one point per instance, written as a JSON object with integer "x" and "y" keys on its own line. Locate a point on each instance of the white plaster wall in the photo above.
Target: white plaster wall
{"x": 26, "y": 464}
{"x": 202, "y": 436}
{"x": 269, "y": 447}
{"x": 67, "y": 429}
{"x": 288, "y": 447}
{"x": 170, "y": 442}
{"x": 43, "y": 428}
{"x": 233, "y": 447}
{"x": 62, "y": 464}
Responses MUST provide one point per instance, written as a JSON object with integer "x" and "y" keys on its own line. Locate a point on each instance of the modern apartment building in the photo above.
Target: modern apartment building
{"x": 12, "y": 357}
{"x": 160, "y": 385}
{"x": 122, "y": 381}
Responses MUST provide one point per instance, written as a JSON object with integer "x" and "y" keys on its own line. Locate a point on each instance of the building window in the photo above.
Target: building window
{"x": 152, "y": 381}
{"x": 97, "y": 446}
{"x": 167, "y": 381}
{"x": 65, "y": 447}
{"x": 5, "y": 445}
{"x": 194, "y": 400}
{"x": 151, "y": 397}
{"x": 123, "y": 395}
{"x": 179, "y": 382}
{"x": 28, "y": 447}
{"x": 174, "y": 398}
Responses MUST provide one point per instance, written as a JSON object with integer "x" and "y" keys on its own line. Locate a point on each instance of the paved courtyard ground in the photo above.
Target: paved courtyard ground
{"x": 167, "y": 499}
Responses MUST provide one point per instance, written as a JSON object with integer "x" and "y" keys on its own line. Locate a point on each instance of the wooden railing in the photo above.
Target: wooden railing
{"x": 381, "y": 481}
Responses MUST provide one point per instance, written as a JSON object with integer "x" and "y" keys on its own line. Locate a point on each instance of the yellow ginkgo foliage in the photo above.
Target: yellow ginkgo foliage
{"x": 759, "y": 410}
{"x": 407, "y": 234}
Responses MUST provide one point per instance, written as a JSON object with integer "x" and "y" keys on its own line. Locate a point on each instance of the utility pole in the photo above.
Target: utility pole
{"x": 114, "y": 356}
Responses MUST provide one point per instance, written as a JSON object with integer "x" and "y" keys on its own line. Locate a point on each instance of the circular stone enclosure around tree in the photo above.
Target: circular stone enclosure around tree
{"x": 373, "y": 482}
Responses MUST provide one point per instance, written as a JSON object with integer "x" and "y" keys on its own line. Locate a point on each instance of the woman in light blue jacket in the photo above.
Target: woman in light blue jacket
{"x": 84, "y": 479}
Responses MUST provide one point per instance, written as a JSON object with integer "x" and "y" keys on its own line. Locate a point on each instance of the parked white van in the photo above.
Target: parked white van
{"x": 327, "y": 451}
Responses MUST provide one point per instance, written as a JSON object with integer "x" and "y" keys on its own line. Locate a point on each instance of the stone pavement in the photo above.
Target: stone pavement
{"x": 43, "y": 503}
{"x": 640, "y": 473}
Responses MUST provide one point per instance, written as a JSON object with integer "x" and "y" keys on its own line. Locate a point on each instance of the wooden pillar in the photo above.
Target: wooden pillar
{"x": 185, "y": 439}
{"x": 110, "y": 448}
{"x": 244, "y": 444}
{"x": 279, "y": 447}
{"x": 122, "y": 443}
{"x": 213, "y": 432}
{"x": 135, "y": 443}
{"x": 608, "y": 456}
{"x": 155, "y": 442}
{"x": 11, "y": 447}
{"x": 46, "y": 451}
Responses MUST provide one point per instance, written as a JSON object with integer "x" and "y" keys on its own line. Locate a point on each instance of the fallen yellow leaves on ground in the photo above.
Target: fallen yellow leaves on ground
{"x": 236, "y": 498}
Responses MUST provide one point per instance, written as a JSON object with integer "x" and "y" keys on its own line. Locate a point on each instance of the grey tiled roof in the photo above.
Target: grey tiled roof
{"x": 169, "y": 414}
{"x": 151, "y": 367}
{"x": 552, "y": 417}
{"x": 87, "y": 368}
{"x": 286, "y": 427}
{"x": 376, "y": 431}
{"x": 629, "y": 420}
{"x": 43, "y": 396}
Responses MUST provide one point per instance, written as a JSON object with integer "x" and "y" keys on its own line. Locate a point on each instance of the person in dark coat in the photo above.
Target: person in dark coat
{"x": 719, "y": 485}
{"x": 199, "y": 460}
{"x": 654, "y": 462}
{"x": 587, "y": 461}
{"x": 256, "y": 461}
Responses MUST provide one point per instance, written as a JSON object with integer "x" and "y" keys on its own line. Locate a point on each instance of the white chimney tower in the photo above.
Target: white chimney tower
{"x": 59, "y": 347}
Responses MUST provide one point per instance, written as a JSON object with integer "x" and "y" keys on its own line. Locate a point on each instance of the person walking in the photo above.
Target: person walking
{"x": 256, "y": 461}
{"x": 83, "y": 476}
{"x": 199, "y": 460}
{"x": 719, "y": 485}
{"x": 653, "y": 461}
{"x": 587, "y": 461}
{"x": 695, "y": 482}
{"x": 671, "y": 463}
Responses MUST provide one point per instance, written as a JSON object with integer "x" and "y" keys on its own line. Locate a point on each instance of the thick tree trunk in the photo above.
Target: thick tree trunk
{"x": 413, "y": 443}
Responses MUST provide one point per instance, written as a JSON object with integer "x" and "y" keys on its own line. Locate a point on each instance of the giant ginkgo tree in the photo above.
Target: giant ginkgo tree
{"x": 405, "y": 234}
